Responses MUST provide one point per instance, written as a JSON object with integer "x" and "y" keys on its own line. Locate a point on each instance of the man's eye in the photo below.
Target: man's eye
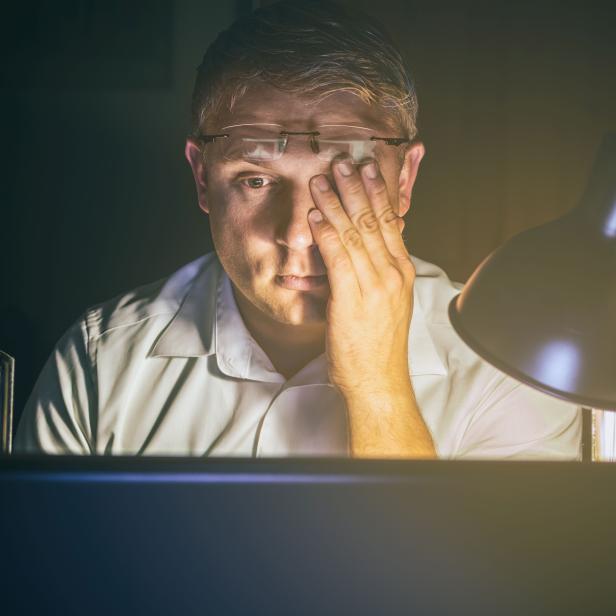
{"x": 256, "y": 182}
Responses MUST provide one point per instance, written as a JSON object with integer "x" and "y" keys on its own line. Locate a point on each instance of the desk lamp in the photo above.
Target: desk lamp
{"x": 542, "y": 308}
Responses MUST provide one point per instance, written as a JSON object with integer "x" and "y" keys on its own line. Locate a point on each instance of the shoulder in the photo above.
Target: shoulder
{"x": 434, "y": 290}
{"x": 493, "y": 414}
{"x": 147, "y": 303}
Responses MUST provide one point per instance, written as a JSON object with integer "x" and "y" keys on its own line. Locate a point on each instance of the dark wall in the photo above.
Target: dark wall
{"x": 96, "y": 195}
{"x": 514, "y": 97}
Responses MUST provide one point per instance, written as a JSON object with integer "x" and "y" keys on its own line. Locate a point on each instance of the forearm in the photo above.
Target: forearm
{"x": 388, "y": 425}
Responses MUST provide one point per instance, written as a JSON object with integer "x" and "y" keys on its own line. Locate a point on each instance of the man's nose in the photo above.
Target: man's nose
{"x": 292, "y": 228}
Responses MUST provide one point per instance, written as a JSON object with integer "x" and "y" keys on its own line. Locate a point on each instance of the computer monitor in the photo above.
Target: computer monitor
{"x": 189, "y": 536}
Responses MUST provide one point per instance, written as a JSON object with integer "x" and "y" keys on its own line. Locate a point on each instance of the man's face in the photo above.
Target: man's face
{"x": 259, "y": 210}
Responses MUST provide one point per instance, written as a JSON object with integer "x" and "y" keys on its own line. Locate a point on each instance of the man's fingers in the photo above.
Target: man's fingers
{"x": 390, "y": 223}
{"x": 359, "y": 207}
{"x": 343, "y": 282}
{"x": 340, "y": 228}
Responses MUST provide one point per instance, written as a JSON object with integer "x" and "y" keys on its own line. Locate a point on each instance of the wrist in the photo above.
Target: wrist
{"x": 379, "y": 402}
{"x": 390, "y": 388}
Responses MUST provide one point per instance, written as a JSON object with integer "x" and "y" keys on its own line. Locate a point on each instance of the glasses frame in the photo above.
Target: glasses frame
{"x": 313, "y": 134}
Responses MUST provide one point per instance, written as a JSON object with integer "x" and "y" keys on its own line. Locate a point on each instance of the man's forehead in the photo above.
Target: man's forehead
{"x": 265, "y": 104}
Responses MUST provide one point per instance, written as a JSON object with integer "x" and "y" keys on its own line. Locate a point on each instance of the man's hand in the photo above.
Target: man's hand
{"x": 371, "y": 279}
{"x": 369, "y": 312}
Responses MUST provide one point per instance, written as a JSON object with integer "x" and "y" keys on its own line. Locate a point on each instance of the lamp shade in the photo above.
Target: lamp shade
{"x": 542, "y": 307}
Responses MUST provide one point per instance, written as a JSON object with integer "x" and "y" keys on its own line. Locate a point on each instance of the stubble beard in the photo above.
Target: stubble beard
{"x": 298, "y": 308}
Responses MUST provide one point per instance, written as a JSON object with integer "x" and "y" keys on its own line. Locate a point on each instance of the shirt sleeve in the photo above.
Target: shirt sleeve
{"x": 516, "y": 422}
{"x": 60, "y": 415}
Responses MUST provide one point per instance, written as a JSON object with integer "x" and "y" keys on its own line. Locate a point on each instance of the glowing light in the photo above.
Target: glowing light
{"x": 558, "y": 366}
{"x": 607, "y": 435}
{"x": 199, "y": 478}
{"x": 609, "y": 230}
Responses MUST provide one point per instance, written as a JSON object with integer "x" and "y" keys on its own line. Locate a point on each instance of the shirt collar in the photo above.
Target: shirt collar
{"x": 191, "y": 331}
{"x": 237, "y": 353}
{"x": 208, "y": 322}
{"x": 423, "y": 358}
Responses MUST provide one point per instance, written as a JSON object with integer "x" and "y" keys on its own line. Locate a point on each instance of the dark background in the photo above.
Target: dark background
{"x": 95, "y": 98}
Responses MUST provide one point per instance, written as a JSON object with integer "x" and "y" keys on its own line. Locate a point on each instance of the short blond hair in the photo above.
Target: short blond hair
{"x": 312, "y": 48}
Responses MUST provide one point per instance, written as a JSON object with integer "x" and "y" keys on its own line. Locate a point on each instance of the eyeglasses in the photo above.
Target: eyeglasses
{"x": 265, "y": 142}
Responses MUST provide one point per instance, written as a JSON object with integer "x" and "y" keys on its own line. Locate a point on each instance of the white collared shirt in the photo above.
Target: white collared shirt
{"x": 170, "y": 369}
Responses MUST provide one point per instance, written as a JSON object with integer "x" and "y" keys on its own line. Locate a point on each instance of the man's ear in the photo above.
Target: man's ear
{"x": 408, "y": 175}
{"x": 194, "y": 156}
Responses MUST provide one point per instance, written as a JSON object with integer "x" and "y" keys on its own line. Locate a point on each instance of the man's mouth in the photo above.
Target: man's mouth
{"x": 302, "y": 283}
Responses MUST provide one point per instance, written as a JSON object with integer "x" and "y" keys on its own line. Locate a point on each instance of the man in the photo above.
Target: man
{"x": 310, "y": 331}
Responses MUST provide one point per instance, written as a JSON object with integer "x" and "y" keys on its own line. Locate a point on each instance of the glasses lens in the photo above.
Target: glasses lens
{"x": 259, "y": 149}
{"x": 345, "y": 140}
{"x": 252, "y": 143}
{"x": 264, "y": 142}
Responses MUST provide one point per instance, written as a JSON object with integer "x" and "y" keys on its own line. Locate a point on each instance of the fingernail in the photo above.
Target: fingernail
{"x": 345, "y": 168}
{"x": 315, "y": 215}
{"x": 371, "y": 170}
{"x": 322, "y": 183}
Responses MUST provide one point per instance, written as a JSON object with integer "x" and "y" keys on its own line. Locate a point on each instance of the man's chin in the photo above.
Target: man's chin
{"x": 313, "y": 315}
{"x": 303, "y": 309}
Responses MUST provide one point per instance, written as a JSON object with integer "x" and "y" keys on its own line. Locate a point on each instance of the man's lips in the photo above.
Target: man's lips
{"x": 301, "y": 283}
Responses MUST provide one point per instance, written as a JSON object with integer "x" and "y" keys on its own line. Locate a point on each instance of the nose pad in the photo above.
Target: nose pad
{"x": 314, "y": 144}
